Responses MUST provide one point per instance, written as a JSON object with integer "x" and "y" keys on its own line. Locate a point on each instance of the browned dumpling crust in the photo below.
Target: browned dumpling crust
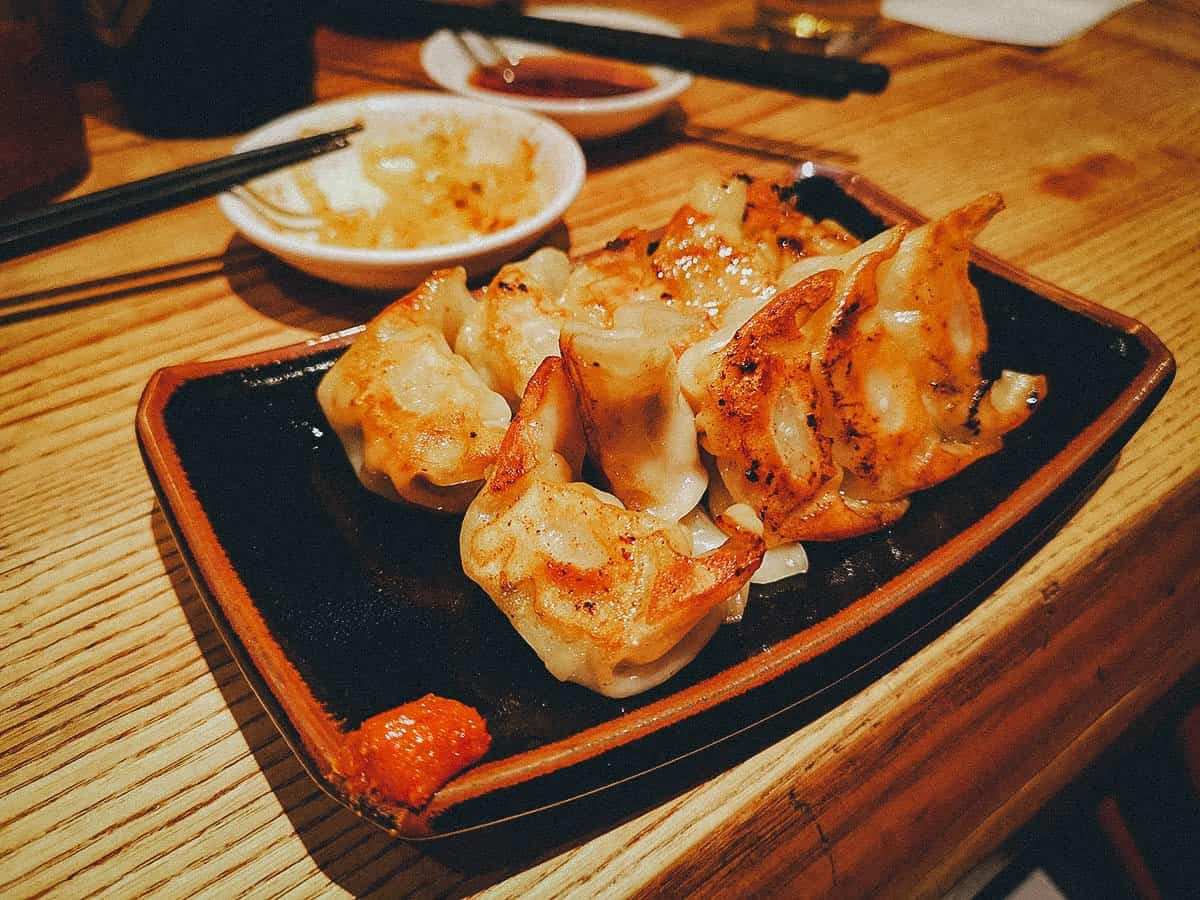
{"x": 516, "y": 322}
{"x": 860, "y": 385}
{"x": 608, "y": 597}
{"x": 416, "y": 421}
{"x": 761, "y": 418}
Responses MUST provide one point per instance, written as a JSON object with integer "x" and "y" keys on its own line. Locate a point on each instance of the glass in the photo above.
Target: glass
{"x": 42, "y": 147}
{"x": 183, "y": 68}
{"x": 826, "y": 27}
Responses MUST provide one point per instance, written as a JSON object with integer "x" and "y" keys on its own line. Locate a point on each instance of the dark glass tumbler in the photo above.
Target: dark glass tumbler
{"x": 42, "y": 147}
{"x": 196, "y": 69}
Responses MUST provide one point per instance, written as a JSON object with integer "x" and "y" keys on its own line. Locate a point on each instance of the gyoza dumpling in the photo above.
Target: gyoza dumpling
{"x": 898, "y": 365}
{"x": 718, "y": 258}
{"x": 515, "y": 324}
{"x": 858, "y": 385}
{"x": 760, "y": 416}
{"x": 722, "y": 251}
{"x": 640, "y": 430}
{"x": 415, "y": 420}
{"x": 702, "y": 264}
{"x": 608, "y": 597}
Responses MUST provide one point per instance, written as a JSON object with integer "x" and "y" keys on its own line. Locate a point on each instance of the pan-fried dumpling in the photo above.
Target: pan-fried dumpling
{"x": 719, "y": 257}
{"x": 640, "y": 430}
{"x": 760, "y": 223}
{"x": 619, "y": 289}
{"x": 760, "y": 417}
{"x": 858, "y": 385}
{"x": 515, "y": 324}
{"x": 608, "y": 597}
{"x": 702, "y": 264}
{"x": 898, "y": 363}
{"x": 416, "y": 421}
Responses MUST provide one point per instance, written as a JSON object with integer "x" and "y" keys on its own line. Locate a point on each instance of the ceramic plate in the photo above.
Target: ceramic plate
{"x": 448, "y": 61}
{"x": 391, "y": 118}
{"x": 339, "y": 605}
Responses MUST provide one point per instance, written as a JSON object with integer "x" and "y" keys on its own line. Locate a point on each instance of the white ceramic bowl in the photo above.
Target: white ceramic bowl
{"x": 558, "y": 162}
{"x": 448, "y": 64}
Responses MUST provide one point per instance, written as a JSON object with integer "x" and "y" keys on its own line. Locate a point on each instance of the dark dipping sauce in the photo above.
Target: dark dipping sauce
{"x": 563, "y": 76}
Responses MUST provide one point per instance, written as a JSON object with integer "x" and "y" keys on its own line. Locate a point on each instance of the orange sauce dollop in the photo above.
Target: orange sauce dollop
{"x": 403, "y": 756}
{"x": 563, "y": 76}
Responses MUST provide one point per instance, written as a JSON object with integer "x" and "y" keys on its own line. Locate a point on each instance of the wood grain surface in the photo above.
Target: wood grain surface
{"x": 135, "y": 760}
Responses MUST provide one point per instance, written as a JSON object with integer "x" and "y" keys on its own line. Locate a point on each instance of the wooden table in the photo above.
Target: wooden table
{"x": 133, "y": 756}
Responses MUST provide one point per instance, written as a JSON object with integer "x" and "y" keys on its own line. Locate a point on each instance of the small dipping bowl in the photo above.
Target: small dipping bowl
{"x": 449, "y": 64}
{"x": 558, "y": 165}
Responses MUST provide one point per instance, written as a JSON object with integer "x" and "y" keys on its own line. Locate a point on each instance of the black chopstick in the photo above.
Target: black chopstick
{"x": 798, "y": 73}
{"x": 60, "y": 222}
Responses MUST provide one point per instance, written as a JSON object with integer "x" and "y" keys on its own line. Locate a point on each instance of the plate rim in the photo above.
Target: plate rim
{"x": 314, "y": 734}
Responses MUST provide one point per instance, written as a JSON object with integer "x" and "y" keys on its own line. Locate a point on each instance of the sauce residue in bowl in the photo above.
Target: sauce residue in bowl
{"x": 563, "y": 76}
{"x": 445, "y": 186}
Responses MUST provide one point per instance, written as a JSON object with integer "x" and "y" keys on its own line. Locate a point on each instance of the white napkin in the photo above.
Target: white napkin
{"x": 1033, "y": 23}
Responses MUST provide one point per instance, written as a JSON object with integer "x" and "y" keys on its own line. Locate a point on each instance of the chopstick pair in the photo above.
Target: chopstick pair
{"x": 798, "y": 73}
{"x": 60, "y": 222}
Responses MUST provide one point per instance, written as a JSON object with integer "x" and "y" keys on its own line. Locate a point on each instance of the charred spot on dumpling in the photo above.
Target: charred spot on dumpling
{"x": 845, "y": 320}
{"x": 787, "y": 193}
{"x": 972, "y": 423}
{"x": 573, "y": 578}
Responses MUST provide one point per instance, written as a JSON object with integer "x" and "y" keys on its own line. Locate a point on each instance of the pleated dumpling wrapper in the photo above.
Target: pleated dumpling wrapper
{"x": 416, "y": 421}
{"x": 857, "y": 385}
{"x": 608, "y": 597}
{"x": 640, "y": 430}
